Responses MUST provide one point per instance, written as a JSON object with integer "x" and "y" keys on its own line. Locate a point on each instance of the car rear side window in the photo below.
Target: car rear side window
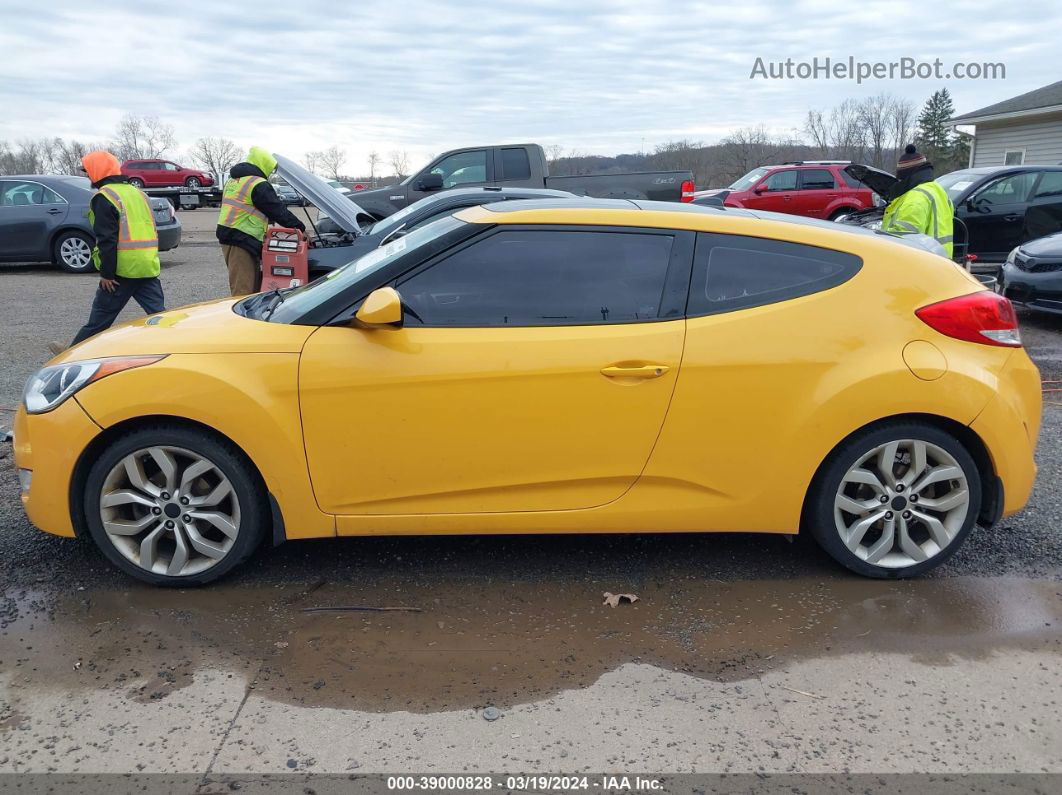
{"x": 544, "y": 278}
{"x": 851, "y": 181}
{"x": 515, "y": 164}
{"x": 816, "y": 179}
{"x": 1050, "y": 185}
{"x": 731, "y": 272}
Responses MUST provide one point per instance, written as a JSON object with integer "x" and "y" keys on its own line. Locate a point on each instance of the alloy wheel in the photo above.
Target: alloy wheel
{"x": 901, "y": 503}
{"x": 169, "y": 511}
{"x": 76, "y": 253}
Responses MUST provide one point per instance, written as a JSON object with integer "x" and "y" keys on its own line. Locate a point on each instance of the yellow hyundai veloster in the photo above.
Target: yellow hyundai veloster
{"x": 564, "y": 366}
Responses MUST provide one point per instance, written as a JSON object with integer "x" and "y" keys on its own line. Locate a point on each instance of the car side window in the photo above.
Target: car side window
{"x": 1012, "y": 189}
{"x": 1050, "y": 185}
{"x": 462, "y": 168}
{"x": 544, "y": 278}
{"x": 816, "y": 179}
{"x": 515, "y": 164}
{"x": 781, "y": 180}
{"x": 49, "y": 196}
{"x": 17, "y": 193}
{"x": 170, "y": 167}
{"x": 732, "y": 272}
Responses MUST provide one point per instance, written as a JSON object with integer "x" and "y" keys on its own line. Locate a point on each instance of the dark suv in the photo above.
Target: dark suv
{"x": 814, "y": 188}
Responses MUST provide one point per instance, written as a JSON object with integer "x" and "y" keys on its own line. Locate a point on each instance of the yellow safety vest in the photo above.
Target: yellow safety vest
{"x": 924, "y": 209}
{"x": 237, "y": 209}
{"x": 138, "y": 240}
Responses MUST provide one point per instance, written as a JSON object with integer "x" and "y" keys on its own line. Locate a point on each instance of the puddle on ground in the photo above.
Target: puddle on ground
{"x": 496, "y": 642}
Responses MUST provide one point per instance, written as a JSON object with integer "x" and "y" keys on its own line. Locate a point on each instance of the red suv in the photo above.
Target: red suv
{"x": 815, "y": 188}
{"x": 164, "y": 174}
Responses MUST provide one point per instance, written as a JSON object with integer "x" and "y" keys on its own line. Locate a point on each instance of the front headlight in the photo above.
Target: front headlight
{"x": 53, "y": 385}
{"x": 1013, "y": 253}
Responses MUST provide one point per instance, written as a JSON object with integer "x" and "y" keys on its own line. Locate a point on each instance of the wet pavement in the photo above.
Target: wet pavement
{"x": 742, "y": 653}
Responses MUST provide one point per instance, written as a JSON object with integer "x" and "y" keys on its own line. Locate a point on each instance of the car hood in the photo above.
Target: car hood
{"x": 1048, "y": 248}
{"x": 211, "y": 327}
{"x": 337, "y": 205}
{"x": 881, "y": 182}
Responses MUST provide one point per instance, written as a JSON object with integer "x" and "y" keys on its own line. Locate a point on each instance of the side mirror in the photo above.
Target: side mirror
{"x": 430, "y": 182}
{"x": 759, "y": 189}
{"x": 382, "y": 309}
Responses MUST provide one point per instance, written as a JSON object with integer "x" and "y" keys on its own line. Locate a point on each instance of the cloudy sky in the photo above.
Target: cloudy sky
{"x": 601, "y": 76}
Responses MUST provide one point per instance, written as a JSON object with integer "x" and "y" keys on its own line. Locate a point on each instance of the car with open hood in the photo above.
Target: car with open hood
{"x": 1000, "y": 207}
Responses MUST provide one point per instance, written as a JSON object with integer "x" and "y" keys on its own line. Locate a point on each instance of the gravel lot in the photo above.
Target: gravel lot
{"x": 744, "y": 652}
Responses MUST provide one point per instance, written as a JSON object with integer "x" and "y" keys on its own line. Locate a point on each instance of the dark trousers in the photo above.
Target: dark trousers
{"x": 107, "y": 306}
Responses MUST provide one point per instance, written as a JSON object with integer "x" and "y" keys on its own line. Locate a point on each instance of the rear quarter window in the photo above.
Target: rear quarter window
{"x": 732, "y": 272}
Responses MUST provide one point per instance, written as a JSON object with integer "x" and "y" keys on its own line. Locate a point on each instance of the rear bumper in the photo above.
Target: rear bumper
{"x": 169, "y": 236}
{"x": 49, "y": 445}
{"x": 1009, "y": 427}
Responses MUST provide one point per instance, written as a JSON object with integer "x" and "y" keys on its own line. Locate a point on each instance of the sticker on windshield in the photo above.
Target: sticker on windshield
{"x": 382, "y": 253}
{"x": 958, "y": 187}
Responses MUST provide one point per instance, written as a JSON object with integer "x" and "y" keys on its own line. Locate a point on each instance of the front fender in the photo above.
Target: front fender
{"x": 250, "y": 398}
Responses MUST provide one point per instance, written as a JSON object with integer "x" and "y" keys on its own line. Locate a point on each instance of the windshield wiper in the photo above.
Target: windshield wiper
{"x": 273, "y": 306}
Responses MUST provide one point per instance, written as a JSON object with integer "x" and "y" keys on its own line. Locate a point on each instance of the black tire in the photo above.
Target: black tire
{"x": 819, "y": 517}
{"x": 64, "y": 248}
{"x": 136, "y": 182}
{"x": 192, "y": 182}
{"x": 843, "y": 211}
{"x": 255, "y": 516}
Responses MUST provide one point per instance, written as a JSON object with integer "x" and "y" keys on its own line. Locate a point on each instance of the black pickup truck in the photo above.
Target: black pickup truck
{"x": 523, "y": 166}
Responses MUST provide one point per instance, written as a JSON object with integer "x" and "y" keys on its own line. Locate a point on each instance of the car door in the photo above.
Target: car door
{"x": 995, "y": 214}
{"x": 533, "y": 373}
{"x": 170, "y": 174}
{"x": 459, "y": 170}
{"x": 775, "y": 192}
{"x": 817, "y": 191}
{"x": 28, "y": 211}
{"x": 1044, "y": 215}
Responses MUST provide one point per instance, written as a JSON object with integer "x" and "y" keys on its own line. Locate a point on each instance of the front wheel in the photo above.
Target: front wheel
{"x": 895, "y": 501}
{"x": 192, "y": 182}
{"x": 72, "y": 251}
{"x": 174, "y": 506}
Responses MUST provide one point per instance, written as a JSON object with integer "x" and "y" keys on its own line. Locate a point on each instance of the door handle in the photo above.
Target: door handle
{"x": 637, "y": 371}
{"x": 54, "y": 211}
{"x": 787, "y": 197}
{"x": 1011, "y": 217}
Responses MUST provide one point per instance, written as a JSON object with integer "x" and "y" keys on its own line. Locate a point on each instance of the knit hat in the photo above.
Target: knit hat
{"x": 910, "y": 159}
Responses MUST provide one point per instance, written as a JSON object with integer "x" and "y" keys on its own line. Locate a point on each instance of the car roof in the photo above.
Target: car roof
{"x": 504, "y": 191}
{"x": 996, "y": 169}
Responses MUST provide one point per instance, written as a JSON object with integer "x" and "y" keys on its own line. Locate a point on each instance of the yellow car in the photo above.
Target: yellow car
{"x": 579, "y": 366}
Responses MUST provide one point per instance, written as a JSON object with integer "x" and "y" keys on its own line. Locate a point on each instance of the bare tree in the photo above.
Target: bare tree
{"x": 747, "y": 148}
{"x": 68, "y": 154}
{"x": 312, "y": 160}
{"x": 904, "y": 117}
{"x": 142, "y": 136}
{"x": 374, "y": 163}
{"x": 331, "y": 161}
{"x": 817, "y": 128}
{"x": 875, "y": 116}
{"x": 399, "y": 162}
{"x": 216, "y": 155}
{"x": 554, "y": 153}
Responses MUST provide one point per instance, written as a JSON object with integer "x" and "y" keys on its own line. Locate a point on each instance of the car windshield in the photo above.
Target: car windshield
{"x": 955, "y": 183}
{"x": 298, "y": 301}
{"x": 749, "y": 179}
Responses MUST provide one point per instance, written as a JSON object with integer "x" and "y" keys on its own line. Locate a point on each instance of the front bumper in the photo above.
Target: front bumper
{"x": 1041, "y": 290}
{"x": 50, "y": 445}
{"x": 169, "y": 236}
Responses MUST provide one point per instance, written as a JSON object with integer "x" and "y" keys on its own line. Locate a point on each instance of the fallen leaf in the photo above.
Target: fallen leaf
{"x": 613, "y": 599}
{"x": 77, "y": 665}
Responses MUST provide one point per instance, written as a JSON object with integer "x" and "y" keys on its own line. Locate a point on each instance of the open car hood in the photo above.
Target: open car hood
{"x": 336, "y": 205}
{"x": 881, "y": 182}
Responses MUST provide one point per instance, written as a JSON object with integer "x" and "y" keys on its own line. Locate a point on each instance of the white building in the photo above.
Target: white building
{"x": 1026, "y": 129}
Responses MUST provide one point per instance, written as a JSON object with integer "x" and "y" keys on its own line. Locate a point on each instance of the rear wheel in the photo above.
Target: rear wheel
{"x": 72, "y": 251}
{"x": 192, "y": 182}
{"x": 136, "y": 182}
{"x": 895, "y": 501}
{"x": 174, "y": 506}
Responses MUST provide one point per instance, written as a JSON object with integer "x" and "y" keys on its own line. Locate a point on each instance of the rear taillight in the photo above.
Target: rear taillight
{"x": 687, "y": 190}
{"x": 983, "y": 317}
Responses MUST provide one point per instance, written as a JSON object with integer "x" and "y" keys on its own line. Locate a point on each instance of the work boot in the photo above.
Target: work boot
{"x": 56, "y": 348}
